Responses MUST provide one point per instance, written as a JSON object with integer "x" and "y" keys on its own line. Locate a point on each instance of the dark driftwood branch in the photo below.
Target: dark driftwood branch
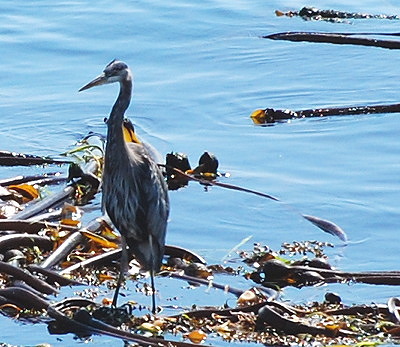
{"x": 359, "y": 310}
{"x": 271, "y": 313}
{"x": 373, "y": 277}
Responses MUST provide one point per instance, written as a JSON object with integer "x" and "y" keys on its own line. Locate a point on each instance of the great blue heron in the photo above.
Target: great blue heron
{"x": 135, "y": 195}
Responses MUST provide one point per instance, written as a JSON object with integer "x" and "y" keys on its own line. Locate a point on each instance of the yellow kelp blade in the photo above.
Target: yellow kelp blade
{"x": 99, "y": 240}
{"x": 258, "y": 117}
{"x": 71, "y": 215}
{"x": 27, "y": 191}
{"x": 196, "y": 336}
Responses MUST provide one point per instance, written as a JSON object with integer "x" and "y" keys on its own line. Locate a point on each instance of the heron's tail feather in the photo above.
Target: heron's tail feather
{"x": 148, "y": 253}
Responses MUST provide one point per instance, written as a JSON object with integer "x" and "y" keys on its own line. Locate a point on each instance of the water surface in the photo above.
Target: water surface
{"x": 200, "y": 69}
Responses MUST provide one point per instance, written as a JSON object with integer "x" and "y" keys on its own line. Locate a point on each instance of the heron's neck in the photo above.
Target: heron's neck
{"x": 115, "y": 132}
{"x": 122, "y": 102}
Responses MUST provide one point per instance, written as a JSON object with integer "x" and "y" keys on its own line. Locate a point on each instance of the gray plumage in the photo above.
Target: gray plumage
{"x": 135, "y": 195}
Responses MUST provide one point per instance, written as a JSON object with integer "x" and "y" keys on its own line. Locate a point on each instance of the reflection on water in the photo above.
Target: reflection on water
{"x": 200, "y": 70}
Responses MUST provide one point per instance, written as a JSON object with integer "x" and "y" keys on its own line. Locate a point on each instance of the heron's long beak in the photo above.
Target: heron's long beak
{"x": 99, "y": 80}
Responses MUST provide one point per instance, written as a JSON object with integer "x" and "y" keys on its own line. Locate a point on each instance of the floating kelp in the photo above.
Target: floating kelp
{"x": 25, "y": 192}
{"x": 276, "y": 274}
{"x": 312, "y": 13}
{"x": 40, "y": 256}
{"x": 52, "y": 277}
{"x": 208, "y": 166}
{"x": 83, "y": 324}
{"x": 336, "y": 38}
{"x": 22, "y": 298}
{"x": 32, "y": 281}
{"x": 270, "y": 115}
{"x": 41, "y": 180}
{"x": 178, "y": 163}
{"x": 274, "y": 271}
{"x": 327, "y": 226}
{"x": 9, "y": 226}
{"x": 20, "y": 159}
{"x": 24, "y": 240}
{"x": 263, "y": 318}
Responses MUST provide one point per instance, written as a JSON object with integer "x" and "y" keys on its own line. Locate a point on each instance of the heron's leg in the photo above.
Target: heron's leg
{"x": 153, "y": 292}
{"x": 123, "y": 268}
{"x": 153, "y": 286}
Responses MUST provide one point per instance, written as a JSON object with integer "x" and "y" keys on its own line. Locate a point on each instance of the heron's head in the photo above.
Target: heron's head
{"x": 116, "y": 71}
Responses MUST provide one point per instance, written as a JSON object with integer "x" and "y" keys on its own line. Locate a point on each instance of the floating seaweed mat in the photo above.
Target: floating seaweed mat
{"x": 313, "y": 13}
{"x": 336, "y": 38}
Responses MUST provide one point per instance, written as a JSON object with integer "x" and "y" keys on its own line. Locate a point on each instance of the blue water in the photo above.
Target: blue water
{"x": 200, "y": 69}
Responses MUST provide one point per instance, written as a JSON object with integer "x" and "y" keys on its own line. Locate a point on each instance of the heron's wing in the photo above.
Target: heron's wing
{"x": 155, "y": 155}
{"x": 152, "y": 201}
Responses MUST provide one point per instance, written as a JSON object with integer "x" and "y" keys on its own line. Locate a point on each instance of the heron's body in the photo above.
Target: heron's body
{"x": 134, "y": 203}
{"x": 135, "y": 196}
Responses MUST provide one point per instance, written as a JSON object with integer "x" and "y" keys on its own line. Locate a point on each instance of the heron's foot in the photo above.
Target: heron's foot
{"x": 156, "y": 310}
{"x": 114, "y": 316}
